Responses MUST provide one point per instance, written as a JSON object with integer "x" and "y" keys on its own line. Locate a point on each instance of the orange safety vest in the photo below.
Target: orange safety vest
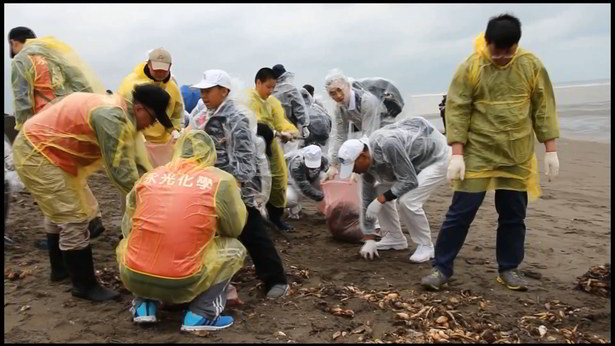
{"x": 62, "y": 132}
{"x": 174, "y": 221}
{"x": 43, "y": 88}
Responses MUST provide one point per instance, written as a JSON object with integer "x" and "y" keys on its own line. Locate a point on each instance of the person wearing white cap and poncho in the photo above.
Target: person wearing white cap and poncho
{"x": 401, "y": 163}
{"x": 306, "y": 169}
{"x": 240, "y": 152}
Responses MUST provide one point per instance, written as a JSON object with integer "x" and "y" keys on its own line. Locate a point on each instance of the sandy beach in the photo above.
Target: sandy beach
{"x": 568, "y": 231}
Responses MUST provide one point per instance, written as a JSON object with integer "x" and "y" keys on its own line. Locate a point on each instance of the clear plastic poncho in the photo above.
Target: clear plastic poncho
{"x": 320, "y": 121}
{"x": 400, "y": 152}
{"x": 360, "y": 109}
{"x": 44, "y": 69}
{"x": 385, "y": 91}
{"x": 300, "y": 177}
{"x": 288, "y": 94}
{"x": 498, "y": 112}
{"x": 240, "y": 153}
{"x": 196, "y": 211}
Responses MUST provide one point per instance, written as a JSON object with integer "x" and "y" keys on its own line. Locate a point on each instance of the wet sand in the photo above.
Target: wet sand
{"x": 568, "y": 231}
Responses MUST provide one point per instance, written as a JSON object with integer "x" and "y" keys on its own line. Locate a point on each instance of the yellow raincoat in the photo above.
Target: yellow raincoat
{"x": 181, "y": 226}
{"x": 44, "y": 70}
{"x": 496, "y": 112}
{"x": 61, "y": 146}
{"x": 271, "y": 112}
{"x": 156, "y": 133}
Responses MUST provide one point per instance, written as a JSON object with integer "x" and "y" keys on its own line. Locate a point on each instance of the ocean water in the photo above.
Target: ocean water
{"x": 584, "y": 109}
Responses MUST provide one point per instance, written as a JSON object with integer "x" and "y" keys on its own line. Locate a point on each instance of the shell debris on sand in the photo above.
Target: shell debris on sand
{"x": 597, "y": 280}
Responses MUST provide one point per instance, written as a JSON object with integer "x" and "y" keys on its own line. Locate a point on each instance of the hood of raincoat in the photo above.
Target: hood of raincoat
{"x": 285, "y": 78}
{"x": 194, "y": 146}
{"x": 307, "y": 98}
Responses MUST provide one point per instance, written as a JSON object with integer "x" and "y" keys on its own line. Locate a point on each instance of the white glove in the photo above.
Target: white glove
{"x": 373, "y": 209}
{"x": 369, "y": 249}
{"x": 354, "y": 177}
{"x": 456, "y": 168}
{"x": 175, "y": 134}
{"x": 331, "y": 173}
{"x": 305, "y": 132}
{"x": 551, "y": 165}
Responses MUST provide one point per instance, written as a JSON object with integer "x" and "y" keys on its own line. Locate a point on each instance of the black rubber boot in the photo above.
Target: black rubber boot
{"x": 96, "y": 227}
{"x": 275, "y": 216}
{"x": 58, "y": 269}
{"x": 80, "y": 266}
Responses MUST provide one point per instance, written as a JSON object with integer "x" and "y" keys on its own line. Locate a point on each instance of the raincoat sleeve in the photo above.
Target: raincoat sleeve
{"x": 232, "y": 213}
{"x": 405, "y": 175}
{"x": 341, "y": 134}
{"x": 242, "y": 151}
{"x": 368, "y": 194}
{"x": 459, "y": 106}
{"x": 24, "y": 106}
{"x": 543, "y": 114}
{"x": 178, "y": 115}
{"x": 128, "y": 213}
{"x": 299, "y": 174}
{"x": 117, "y": 145}
{"x": 280, "y": 123}
{"x": 299, "y": 108}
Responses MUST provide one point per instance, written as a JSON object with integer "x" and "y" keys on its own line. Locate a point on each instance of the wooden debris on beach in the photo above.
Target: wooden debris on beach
{"x": 596, "y": 281}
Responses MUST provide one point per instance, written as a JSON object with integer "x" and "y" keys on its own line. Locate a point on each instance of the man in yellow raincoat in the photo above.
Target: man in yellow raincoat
{"x": 269, "y": 111}
{"x": 157, "y": 70}
{"x": 499, "y": 102}
{"x": 60, "y": 147}
{"x": 44, "y": 69}
{"x": 196, "y": 211}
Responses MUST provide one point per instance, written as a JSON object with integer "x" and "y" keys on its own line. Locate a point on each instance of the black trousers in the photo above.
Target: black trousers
{"x": 511, "y": 207}
{"x": 267, "y": 262}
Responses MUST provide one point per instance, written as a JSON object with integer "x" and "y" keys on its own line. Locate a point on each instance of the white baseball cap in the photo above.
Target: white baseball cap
{"x": 348, "y": 153}
{"x": 211, "y": 78}
{"x": 160, "y": 58}
{"x": 313, "y": 156}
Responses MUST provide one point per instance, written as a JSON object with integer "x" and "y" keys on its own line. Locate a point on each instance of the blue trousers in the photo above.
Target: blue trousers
{"x": 511, "y": 207}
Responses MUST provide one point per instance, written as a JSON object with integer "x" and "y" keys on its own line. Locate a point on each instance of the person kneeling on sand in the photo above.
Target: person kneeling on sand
{"x": 306, "y": 169}
{"x": 404, "y": 161}
{"x": 492, "y": 133}
{"x": 60, "y": 147}
{"x": 196, "y": 211}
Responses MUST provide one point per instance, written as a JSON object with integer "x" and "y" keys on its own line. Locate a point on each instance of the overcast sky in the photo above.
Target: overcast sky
{"x": 416, "y": 46}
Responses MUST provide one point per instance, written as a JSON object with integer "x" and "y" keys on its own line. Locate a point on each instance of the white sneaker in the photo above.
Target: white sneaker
{"x": 422, "y": 254}
{"x": 391, "y": 241}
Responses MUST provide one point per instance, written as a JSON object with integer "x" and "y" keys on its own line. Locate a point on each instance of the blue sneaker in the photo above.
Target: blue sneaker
{"x": 144, "y": 313}
{"x": 194, "y": 322}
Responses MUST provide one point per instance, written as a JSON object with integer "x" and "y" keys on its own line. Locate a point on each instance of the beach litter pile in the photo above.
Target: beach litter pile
{"x": 596, "y": 281}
